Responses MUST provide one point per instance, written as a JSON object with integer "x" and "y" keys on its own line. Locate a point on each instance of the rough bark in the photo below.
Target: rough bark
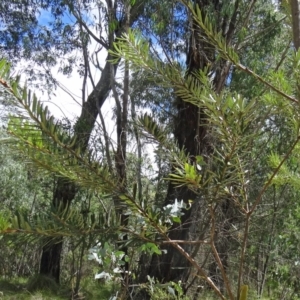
{"x": 50, "y": 261}
{"x": 192, "y": 133}
{"x": 295, "y": 9}
{"x": 65, "y": 191}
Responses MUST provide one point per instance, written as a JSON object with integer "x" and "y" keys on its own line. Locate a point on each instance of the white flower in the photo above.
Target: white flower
{"x": 103, "y": 275}
{"x": 174, "y": 210}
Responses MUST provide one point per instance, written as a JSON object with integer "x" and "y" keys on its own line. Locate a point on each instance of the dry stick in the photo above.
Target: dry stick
{"x": 244, "y": 209}
{"x": 245, "y": 240}
{"x": 259, "y": 78}
{"x": 265, "y": 265}
{"x": 163, "y": 234}
{"x": 248, "y": 11}
{"x": 249, "y": 213}
{"x": 232, "y": 23}
{"x": 139, "y": 152}
{"x": 258, "y": 35}
{"x": 295, "y": 10}
{"x": 195, "y": 264}
{"x": 180, "y": 249}
{"x": 198, "y": 273}
{"x": 78, "y": 17}
{"x": 106, "y": 140}
{"x": 185, "y": 242}
{"x": 86, "y": 63}
{"x": 216, "y": 254}
{"x": 283, "y": 56}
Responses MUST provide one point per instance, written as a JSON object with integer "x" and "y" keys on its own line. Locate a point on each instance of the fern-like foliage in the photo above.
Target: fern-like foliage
{"x": 40, "y": 138}
{"x": 237, "y": 125}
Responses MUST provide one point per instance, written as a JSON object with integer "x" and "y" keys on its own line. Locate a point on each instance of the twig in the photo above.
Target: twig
{"x": 259, "y": 78}
{"x": 216, "y": 254}
{"x": 243, "y": 252}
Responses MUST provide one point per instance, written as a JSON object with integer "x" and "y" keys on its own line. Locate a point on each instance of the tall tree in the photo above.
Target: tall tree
{"x": 33, "y": 37}
{"x": 233, "y": 173}
{"x": 295, "y": 10}
{"x": 192, "y": 132}
{"x": 118, "y": 21}
{"x": 233, "y": 131}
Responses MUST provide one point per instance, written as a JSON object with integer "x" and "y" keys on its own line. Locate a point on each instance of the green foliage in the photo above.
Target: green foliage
{"x": 253, "y": 162}
{"x": 47, "y": 145}
{"x": 17, "y": 289}
{"x": 188, "y": 176}
{"x": 171, "y": 290}
{"x": 240, "y": 125}
{"x": 150, "y": 248}
{"x": 4, "y": 221}
{"x": 41, "y": 282}
{"x": 110, "y": 261}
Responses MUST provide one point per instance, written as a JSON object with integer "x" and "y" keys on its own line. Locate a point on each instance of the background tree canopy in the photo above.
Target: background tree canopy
{"x": 195, "y": 193}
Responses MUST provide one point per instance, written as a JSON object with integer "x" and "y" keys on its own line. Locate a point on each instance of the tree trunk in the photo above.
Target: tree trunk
{"x": 66, "y": 191}
{"x": 50, "y": 261}
{"x": 295, "y": 9}
{"x": 192, "y": 134}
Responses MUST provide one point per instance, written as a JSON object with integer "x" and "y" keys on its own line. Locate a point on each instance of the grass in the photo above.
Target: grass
{"x": 44, "y": 288}
{"x": 32, "y": 289}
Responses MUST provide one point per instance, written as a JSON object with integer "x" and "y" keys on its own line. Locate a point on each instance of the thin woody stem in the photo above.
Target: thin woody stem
{"x": 216, "y": 254}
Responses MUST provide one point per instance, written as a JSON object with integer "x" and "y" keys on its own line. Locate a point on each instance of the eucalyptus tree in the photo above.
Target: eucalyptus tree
{"x": 220, "y": 133}
{"x": 246, "y": 26}
{"x": 223, "y": 174}
{"x": 72, "y": 27}
{"x": 170, "y": 266}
